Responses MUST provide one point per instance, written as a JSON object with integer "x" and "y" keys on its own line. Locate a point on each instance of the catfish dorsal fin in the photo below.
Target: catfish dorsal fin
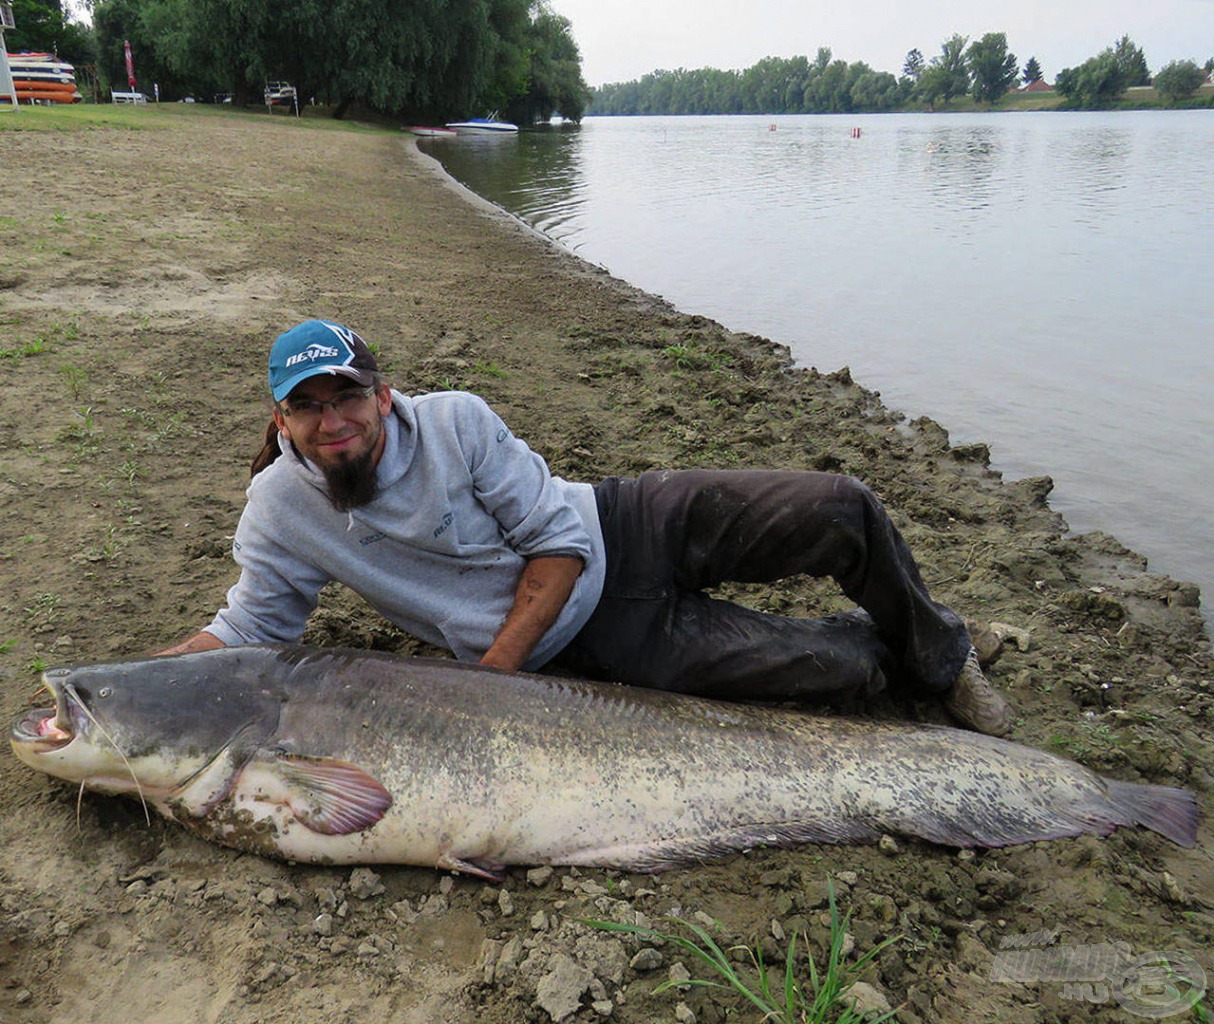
{"x": 334, "y": 798}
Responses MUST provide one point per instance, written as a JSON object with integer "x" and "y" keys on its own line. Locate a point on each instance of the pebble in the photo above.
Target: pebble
{"x": 603, "y": 1007}
{"x": 491, "y": 950}
{"x": 684, "y": 1014}
{"x": 538, "y": 876}
{"x": 267, "y": 896}
{"x": 646, "y": 960}
{"x": 365, "y": 883}
{"x": 559, "y": 992}
{"x": 505, "y": 903}
{"x": 888, "y": 846}
{"x": 23, "y": 996}
{"x": 323, "y": 925}
{"x": 679, "y": 976}
{"x": 539, "y": 921}
{"x": 866, "y": 999}
{"x": 1172, "y": 891}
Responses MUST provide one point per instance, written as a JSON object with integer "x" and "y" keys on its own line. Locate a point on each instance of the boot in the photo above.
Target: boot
{"x": 975, "y": 703}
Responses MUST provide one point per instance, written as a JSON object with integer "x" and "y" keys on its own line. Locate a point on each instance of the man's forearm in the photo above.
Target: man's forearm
{"x": 543, "y": 589}
{"x": 203, "y": 641}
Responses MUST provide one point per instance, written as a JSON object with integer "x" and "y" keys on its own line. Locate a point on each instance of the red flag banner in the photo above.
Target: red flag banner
{"x": 130, "y": 65}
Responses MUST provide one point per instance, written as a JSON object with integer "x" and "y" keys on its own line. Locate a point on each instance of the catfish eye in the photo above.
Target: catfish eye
{"x": 105, "y": 691}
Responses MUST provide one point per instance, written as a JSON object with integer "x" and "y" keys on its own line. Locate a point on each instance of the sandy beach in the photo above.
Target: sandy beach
{"x": 144, "y": 274}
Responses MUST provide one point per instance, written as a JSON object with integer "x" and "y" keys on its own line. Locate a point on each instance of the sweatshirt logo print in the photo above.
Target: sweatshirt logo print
{"x": 446, "y": 521}
{"x": 312, "y": 353}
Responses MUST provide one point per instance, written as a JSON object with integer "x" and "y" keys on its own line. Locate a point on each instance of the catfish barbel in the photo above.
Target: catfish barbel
{"x": 345, "y": 757}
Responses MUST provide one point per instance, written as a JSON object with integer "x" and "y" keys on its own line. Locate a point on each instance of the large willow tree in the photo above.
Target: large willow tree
{"x": 424, "y": 58}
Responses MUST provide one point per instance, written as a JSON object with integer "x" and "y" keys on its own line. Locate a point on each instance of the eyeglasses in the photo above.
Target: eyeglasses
{"x": 345, "y": 403}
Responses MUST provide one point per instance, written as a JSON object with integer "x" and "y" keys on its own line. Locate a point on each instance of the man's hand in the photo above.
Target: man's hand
{"x": 203, "y": 641}
{"x": 543, "y": 589}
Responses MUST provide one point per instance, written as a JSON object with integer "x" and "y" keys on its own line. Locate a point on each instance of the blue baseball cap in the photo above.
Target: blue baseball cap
{"x": 318, "y": 346}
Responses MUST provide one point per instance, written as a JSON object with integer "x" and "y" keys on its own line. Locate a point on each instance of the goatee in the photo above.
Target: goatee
{"x": 352, "y": 482}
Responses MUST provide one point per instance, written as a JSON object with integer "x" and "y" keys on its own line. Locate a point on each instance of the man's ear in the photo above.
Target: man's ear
{"x": 281, "y": 422}
{"x": 383, "y": 399}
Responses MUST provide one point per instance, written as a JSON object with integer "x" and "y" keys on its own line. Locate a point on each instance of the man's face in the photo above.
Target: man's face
{"x": 332, "y": 438}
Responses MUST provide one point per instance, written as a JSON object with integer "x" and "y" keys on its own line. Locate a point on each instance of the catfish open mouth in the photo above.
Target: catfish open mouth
{"x": 45, "y": 729}
{"x": 41, "y": 730}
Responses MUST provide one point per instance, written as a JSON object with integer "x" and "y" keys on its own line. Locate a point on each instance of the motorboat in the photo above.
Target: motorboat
{"x": 483, "y": 126}
{"x": 431, "y": 133}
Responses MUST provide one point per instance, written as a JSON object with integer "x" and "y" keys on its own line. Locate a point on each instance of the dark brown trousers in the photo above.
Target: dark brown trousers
{"x": 672, "y": 535}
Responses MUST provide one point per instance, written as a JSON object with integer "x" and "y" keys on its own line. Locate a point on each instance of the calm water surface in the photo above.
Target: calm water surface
{"x": 1042, "y": 282}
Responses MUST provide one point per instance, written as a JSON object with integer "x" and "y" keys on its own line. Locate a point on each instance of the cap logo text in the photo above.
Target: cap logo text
{"x": 312, "y": 353}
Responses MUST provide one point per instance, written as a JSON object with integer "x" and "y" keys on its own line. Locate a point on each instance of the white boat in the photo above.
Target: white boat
{"x": 431, "y": 133}
{"x": 483, "y": 126}
{"x": 279, "y": 94}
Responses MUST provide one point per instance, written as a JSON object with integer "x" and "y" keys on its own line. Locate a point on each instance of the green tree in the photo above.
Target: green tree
{"x": 1098, "y": 82}
{"x": 131, "y": 21}
{"x": 43, "y": 27}
{"x": 992, "y": 68}
{"x": 1132, "y": 61}
{"x": 1179, "y": 80}
{"x": 914, "y": 64}
{"x": 1032, "y": 72}
{"x": 949, "y": 75}
{"x": 554, "y": 79}
{"x": 39, "y": 25}
{"x": 430, "y": 58}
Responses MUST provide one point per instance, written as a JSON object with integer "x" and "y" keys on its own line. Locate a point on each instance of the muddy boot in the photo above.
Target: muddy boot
{"x": 974, "y": 702}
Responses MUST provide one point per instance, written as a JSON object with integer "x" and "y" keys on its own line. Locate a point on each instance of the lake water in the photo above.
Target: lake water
{"x": 1043, "y": 282}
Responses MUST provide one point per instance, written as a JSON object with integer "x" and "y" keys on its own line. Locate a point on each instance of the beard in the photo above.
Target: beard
{"x": 353, "y": 482}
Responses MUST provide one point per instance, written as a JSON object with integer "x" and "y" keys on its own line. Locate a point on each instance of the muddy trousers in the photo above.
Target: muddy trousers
{"x": 671, "y": 535}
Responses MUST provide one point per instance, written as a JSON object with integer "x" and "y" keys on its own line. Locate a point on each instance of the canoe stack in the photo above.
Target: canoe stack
{"x": 39, "y": 76}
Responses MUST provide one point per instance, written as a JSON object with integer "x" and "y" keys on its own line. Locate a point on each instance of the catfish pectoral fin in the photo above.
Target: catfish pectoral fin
{"x": 328, "y": 796}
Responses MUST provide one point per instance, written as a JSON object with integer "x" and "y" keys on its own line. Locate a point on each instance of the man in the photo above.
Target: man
{"x": 456, "y": 531}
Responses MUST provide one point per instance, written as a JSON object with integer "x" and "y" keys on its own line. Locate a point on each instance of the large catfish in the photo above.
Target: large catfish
{"x": 339, "y": 756}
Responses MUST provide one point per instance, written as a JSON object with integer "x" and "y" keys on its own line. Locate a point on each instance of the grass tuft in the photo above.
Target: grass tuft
{"x": 779, "y": 996}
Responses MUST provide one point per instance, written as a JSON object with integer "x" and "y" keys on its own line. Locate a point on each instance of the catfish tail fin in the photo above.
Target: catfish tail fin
{"x": 1170, "y": 812}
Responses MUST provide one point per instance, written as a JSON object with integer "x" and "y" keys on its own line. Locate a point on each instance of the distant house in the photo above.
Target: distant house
{"x": 1041, "y": 85}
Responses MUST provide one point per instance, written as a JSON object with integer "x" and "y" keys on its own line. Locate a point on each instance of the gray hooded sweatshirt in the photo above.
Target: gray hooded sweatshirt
{"x": 462, "y": 505}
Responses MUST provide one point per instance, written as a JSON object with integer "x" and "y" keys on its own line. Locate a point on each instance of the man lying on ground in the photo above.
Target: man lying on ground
{"x": 456, "y": 531}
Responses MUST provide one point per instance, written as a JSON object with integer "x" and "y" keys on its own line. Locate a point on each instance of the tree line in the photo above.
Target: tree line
{"x": 983, "y": 69}
{"x": 424, "y": 59}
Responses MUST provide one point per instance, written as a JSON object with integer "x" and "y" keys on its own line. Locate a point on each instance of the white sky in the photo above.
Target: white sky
{"x": 624, "y": 39}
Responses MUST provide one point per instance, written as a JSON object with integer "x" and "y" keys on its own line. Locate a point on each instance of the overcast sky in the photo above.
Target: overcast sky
{"x": 624, "y": 39}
